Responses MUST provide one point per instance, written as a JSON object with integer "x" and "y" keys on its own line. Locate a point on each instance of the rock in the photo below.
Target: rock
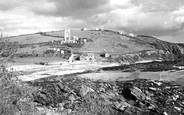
{"x": 72, "y": 98}
{"x": 43, "y": 63}
{"x": 164, "y": 113}
{"x": 69, "y": 111}
{"x": 51, "y": 113}
{"x": 151, "y": 107}
{"x": 84, "y": 90}
{"x": 138, "y": 93}
{"x": 40, "y": 108}
{"x": 101, "y": 89}
{"x": 139, "y": 96}
{"x": 61, "y": 106}
{"x": 122, "y": 105}
{"x": 108, "y": 96}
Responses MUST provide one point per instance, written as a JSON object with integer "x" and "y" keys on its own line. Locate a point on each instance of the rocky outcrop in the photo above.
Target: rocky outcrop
{"x": 167, "y": 47}
{"x": 145, "y": 55}
{"x": 135, "y": 97}
{"x": 160, "y": 50}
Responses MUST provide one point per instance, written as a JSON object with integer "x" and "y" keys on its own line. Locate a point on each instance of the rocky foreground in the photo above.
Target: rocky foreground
{"x": 71, "y": 95}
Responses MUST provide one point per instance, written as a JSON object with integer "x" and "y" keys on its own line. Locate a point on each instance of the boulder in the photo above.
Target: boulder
{"x": 85, "y": 90}
{"x": 138, "y": 93}
{"x": 121, "y": 105}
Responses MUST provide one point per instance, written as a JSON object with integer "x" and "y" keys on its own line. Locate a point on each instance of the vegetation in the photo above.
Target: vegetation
{"x": 15, "y": 96}
{"x": 46, "y": 34}
{"x": 97, "y": 98}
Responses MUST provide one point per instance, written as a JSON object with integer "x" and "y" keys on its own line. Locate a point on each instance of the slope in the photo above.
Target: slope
{"x": 140, "y": 45}
{"x": 114, "y": 43}
{"x": 109, "y": 41}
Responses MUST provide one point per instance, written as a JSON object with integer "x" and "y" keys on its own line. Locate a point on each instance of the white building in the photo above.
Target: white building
{"x": 73, "y": 39}
{"x": 132, "y": 35}
{"x": 122, "y": 32}
{"x": 84, "y": 29}
{"x": 67, "y": 35}
{"x": 97, "y": 29}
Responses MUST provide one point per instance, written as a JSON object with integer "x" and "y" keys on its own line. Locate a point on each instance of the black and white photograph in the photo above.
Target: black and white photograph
{"x": 91, "y": 57}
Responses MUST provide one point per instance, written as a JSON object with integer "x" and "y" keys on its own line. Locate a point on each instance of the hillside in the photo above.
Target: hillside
{"x": 54, "y": 35}
{"x": 140, "y": 46}
{"x": 114, "y": 43}
{"x": 135, "y": 48}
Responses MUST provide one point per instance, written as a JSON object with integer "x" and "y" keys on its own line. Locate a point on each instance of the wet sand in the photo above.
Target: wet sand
{"x": 124, "y": 76}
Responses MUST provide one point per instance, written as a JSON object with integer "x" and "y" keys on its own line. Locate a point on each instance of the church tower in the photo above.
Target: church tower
{"x": 67, "y": 35}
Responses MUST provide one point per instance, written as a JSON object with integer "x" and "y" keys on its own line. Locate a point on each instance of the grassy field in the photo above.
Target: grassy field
{"x": 101, "y": 41}
{"x": 32, "y": 38}
{"x": 78, "y": 33}
{"x": 30, "y": 50}
{"x": 36, "y": 38}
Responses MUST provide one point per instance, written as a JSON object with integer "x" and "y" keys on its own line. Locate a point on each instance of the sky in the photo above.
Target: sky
{"x": 161, "y": 18}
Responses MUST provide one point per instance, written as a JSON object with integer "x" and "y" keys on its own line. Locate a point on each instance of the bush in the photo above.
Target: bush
{"x": 15, "y": 97}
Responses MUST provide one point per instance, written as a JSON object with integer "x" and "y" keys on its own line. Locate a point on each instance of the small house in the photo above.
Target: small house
{"x": 97, "y": 29}
{"x": 83, "y": 40}
{"x": 84, "y": 29}
{"x": 105, "y": 55}
{"x": 89, "y": 57}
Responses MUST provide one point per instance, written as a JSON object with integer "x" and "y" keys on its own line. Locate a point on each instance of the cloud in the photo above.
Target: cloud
{"x": 9, "y": 4}
{"x": 135, "y": 19}
{"x": 136, "y": 15}
{"x": 144, "y": 17}
{"x": 74, "y": 8}
{"x": 159, "y": 5}
{"x": 140, "y": 16}
{"x": 22, "y": 21}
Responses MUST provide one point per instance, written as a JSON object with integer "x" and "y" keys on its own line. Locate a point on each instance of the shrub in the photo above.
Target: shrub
{"x": 15, "y": 96}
